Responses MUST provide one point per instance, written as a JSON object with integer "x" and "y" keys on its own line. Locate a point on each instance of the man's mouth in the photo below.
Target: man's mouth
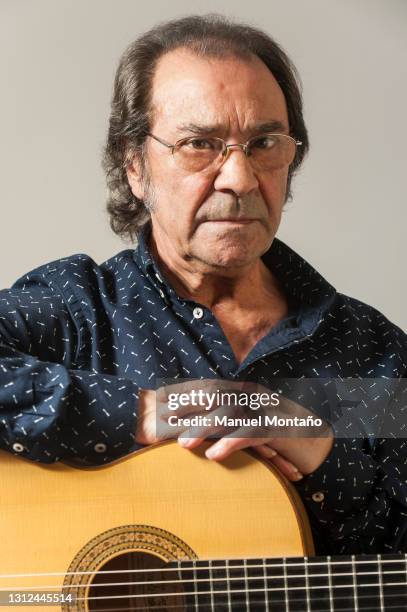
{"x": 236, "y": 220}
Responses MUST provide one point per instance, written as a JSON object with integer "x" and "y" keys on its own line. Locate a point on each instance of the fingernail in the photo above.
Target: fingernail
{"x": 185, "y": 442}
{"x": 213, "y": 452}
{"x": 298, "y": 476}
{"x": 272, "y": 452}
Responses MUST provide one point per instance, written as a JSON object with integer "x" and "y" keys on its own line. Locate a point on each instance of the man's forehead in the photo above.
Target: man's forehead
{"x": 198, "y": 93}
{"x": 182, "y": 62}
{"x": 214, "y": 129}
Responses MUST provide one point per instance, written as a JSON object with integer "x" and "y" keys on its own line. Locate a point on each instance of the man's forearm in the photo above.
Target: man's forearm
{"x": 49, "y": 412}
{"x": 359, "y": 500}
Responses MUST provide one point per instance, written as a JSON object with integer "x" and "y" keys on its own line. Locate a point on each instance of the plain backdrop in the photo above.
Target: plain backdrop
{"x": 348, "y": 214}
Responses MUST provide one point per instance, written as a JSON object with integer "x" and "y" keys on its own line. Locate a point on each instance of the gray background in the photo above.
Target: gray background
{"x": 348, "y": 215}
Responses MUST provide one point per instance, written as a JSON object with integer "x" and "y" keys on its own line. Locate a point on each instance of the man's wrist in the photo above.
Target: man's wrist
{"x": 146, "y": 417}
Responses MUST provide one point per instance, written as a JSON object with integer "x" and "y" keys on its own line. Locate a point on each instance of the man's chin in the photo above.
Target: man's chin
{"x": 228, "y": 245}
{"x": 228, "y": 257}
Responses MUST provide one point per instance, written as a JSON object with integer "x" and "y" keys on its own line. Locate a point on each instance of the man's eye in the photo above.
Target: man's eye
{"x": 264, "y": 142}
{"x": 201, "y": 144}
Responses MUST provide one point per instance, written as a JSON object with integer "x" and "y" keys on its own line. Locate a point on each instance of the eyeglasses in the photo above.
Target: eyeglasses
{"x": 265, "y": 152}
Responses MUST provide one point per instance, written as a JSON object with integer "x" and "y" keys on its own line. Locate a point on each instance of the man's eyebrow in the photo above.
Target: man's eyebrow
{"x": 212, "y": 130}
{"x": 270, "y": 126}
{"x": 199, "y": 129}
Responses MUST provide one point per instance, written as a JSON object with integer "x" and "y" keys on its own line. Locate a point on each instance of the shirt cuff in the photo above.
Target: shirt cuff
{"x": 103, "y": 428}
{"x": 342, "y": 484}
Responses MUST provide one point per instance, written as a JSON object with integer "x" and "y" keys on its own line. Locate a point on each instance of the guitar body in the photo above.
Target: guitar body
{"x": 158, "y": 505}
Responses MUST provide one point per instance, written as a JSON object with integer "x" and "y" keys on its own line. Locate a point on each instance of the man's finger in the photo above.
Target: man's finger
{"x": 228, "y": 445}
{"x": 287, "y": 468}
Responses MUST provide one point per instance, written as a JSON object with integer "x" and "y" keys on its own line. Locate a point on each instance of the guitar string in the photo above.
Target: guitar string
{"x": 184, "y": 581}
{"x": 211, "y": 592}
{"x": 183, "y": 609}
{"x": 240, "y": 591}
{"x": 403, "y": 558}
{"x": 274, "y": 602}
{"x": 252, "y": 601}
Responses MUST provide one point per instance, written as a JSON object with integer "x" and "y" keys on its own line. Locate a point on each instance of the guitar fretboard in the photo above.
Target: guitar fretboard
{"x": 321, "y": 584}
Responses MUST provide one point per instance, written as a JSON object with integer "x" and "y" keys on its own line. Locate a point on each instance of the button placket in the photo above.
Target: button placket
{"x": 198, "y": 312}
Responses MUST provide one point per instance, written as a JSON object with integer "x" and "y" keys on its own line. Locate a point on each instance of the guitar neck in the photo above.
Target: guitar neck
{"x": 331, "y": 584}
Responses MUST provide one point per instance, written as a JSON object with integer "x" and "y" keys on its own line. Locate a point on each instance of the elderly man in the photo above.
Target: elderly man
{"x": 206, "y": 131}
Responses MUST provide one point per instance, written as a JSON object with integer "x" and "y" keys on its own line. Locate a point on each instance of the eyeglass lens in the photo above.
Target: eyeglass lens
{"x": 265, "y": 152}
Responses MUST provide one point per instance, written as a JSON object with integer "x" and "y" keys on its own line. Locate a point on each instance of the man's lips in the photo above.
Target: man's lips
{"x": 229, "y": 220}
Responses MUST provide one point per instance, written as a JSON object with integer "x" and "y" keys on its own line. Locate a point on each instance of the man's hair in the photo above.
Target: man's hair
{"x": 211, "y": 36}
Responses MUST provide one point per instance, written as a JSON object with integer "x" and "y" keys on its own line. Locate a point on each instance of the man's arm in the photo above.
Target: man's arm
{"x": 49, "y": 408}
{"x": 357, "y": 500}
{"x": 358, "y": 497}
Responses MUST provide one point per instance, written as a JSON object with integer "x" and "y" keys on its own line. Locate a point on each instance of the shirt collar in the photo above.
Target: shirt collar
{"x": 298, "y": 278}
{"x": 147, "y": 264}
{"x": 307, "y": 291}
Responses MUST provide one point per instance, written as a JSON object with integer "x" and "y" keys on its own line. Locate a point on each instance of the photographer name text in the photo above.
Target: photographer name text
{"x": 259, "y": 421}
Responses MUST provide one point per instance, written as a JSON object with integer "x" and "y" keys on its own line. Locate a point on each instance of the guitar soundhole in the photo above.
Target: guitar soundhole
{"x": 136, "y": 583}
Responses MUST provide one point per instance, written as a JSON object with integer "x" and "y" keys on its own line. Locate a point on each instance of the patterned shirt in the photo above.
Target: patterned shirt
{"x": 78, "y": 340}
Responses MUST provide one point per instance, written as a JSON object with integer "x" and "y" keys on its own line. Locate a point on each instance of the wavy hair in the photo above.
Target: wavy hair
{"x": 131, "y": 113}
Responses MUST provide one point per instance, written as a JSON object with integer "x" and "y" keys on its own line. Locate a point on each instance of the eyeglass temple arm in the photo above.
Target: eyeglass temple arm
{"x": 163, "y": 142}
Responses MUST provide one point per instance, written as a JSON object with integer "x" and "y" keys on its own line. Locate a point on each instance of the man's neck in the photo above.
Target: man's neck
{"x": 242, "y": 288}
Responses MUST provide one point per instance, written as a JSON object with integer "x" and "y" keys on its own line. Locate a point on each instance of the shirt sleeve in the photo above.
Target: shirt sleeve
{"x": 50, "y": 409}
{"x": 357, "y": 499}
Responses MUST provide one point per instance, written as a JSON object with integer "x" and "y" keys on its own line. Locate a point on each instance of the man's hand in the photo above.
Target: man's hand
{"x": 153, "y": 406}
{"x": 293, "y": 456}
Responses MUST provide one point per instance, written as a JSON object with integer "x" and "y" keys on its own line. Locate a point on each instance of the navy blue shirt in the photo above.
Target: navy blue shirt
{"x": 78, "y": 340}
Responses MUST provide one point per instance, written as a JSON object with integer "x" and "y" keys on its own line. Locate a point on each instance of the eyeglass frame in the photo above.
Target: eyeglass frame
{"x": 226, "y": 147}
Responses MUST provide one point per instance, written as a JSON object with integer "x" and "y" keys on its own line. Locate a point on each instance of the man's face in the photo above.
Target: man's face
{"x": 225, "y": 218}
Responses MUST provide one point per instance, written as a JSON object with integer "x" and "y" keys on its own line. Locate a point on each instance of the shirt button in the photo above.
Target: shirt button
{"x": 100, "y": 447}
{"x": 17, "y": 447}
{"x": 198, "y": 313}
{"x": 318, "y": 496}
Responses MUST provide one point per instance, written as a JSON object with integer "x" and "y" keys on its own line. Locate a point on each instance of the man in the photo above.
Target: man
{"x": 206, "y": 131}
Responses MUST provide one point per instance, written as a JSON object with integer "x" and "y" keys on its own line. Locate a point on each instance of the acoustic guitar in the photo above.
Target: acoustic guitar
{"x": 165, "y": 529}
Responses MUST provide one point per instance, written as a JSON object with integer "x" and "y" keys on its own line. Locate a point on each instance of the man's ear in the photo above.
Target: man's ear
{"x": 133, "y": 171}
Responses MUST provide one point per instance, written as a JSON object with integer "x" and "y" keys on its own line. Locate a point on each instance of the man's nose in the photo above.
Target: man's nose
{"x": 236, "y": 173}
